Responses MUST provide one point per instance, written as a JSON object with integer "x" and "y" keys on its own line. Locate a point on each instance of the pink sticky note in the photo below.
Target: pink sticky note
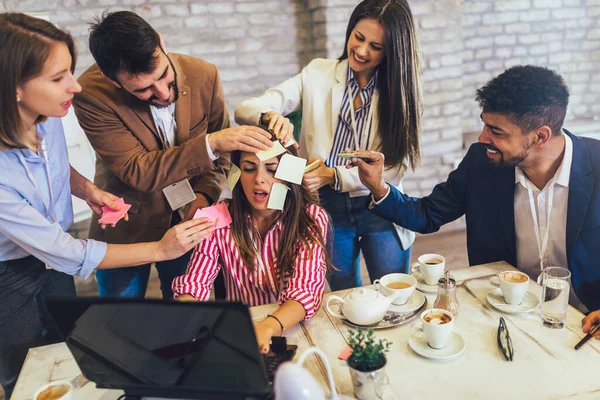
{"x": 218, "y": 212}
{"x": 110, "y": 216}
{"x": 345, "y": 353}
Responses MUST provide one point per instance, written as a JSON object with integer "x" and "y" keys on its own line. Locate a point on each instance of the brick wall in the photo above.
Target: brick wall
{"x": 464, "y": 43}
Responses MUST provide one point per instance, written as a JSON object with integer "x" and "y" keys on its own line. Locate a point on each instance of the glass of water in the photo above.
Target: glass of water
{"x": 555, "y": 296}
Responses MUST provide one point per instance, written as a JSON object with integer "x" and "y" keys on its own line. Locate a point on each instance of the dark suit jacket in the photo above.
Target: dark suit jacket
{"x": 131, "y": 162}
{"x": 485, "y": 194}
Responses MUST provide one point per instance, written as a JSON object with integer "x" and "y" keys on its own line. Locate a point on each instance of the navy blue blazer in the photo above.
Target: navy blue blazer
{"x": 484, "y": 193}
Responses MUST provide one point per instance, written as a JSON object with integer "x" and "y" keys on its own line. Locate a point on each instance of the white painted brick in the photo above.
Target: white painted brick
{"x": 591, "y": 45}
{"x": 538, "y": 49}
{"x": 529, "y": 39}
{"x": 511, "y": 5}
{"x": 451, "y": 84}
{"x": 503, "y": 52}
{"x": 232, "y": 33}
{"x": 434, "y": 63}
{"x": 479, "y": 42}
{"x": 510, "y": 62}
{"x": 561, "y": 58}
{"x": 518, "y": 28}
{"x": 430, "y": 36}
{"x": 434, "y": 21}
{"x": 222, "y": 60}
{"x": 133, "y": 2}
{"x": 104, "y": 3}
{"x": 478, "y": 7}
{"x": 198, "y": 8}
{"x": 220, "y": 8}
{"x": 493, "y": 65}
{"x": 452, "y": 109}
{"x": 555, "y": 47}
{"x": 451, "y": 59}
{"x": 534, "y": 15}
{"x": 228, "y": 75}
{"x": 432, "y": 111}
{"x": 279, "y": 45}
{"x": 593, "y": 12}
{"x": 443, "y": 146}
{"x": 547, "y": 3}
{"x": 483, "y": 53}
{"x": 490, "y": 30}
{"x": 568, "y": 13}
{"x": 285, "y": 70}
{"x": 500, "y": 18}
{"x": 198, "y": 22}
{"x": 474, "y": 66}
{"x": 254, "y": 6}
{"x": 467, "y": 55}
{"x": 177, "y": 10}
{"x": 594, "y": 34}
{"x": 223, "y": 22}
{"x": 204, "y": 47}
{"x": 471, "y": 20}
{"x": 505, "y": 40}
{"x": 572, "y": 3}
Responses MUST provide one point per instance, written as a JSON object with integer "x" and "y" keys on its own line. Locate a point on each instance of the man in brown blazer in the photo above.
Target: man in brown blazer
{"x": 156, "y": 120}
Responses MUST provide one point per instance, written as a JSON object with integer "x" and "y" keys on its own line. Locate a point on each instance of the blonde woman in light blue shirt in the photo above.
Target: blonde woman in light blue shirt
{"x": 37, "y": 256}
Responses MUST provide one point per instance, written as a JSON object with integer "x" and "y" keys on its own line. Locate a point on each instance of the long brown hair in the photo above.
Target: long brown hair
{"x": 299, "y": 227}
{"x": 399, "y": 80}
{"x": 26, "y": 43}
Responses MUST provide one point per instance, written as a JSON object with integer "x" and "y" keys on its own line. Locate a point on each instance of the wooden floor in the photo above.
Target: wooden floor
{"x": 451, "y": 244}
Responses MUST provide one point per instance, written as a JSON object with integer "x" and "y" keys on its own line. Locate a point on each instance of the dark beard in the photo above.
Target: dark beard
{"x": 511, "y": 162}
{"x": 152, "y": 100}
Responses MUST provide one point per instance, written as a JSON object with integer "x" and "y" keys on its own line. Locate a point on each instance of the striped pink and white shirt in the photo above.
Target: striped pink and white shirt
{"x": 305, "y": 285}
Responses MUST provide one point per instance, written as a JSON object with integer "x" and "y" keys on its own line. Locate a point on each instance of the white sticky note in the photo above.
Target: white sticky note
{"x": 290, "y": 142}
{"x": 277, "y": 196}
{"x": 234, "y": 176}
{"x": 271, "y": 152}
{"x": 291, "y": 169}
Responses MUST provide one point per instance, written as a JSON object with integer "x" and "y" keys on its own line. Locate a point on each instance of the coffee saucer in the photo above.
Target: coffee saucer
{"x": 496, "y": 299}
{"x": 455, "y": 346}
{"x": 414, "y": 302}
{"x": 422, "y": 286}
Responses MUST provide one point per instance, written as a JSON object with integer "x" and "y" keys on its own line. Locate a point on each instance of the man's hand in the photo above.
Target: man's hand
{"x": 370, "y": 171}
{"x": 281, "y": 126}
{"x": 190, "y": 209}
{"x": 592, "y": 319}
{"x": 96, "y": 198}
{"x": 319, "y": 177}
{"x": 245, "y": 138}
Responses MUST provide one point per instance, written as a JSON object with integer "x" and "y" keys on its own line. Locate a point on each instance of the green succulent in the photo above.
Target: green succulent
{"x": 368, "y": 354}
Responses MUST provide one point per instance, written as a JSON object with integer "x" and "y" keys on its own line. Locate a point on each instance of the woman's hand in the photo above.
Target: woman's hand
{"x": 264, "y": 330}
{"x": 96, "y": 199}
{"x": 319, "y": 177}
{"x": 183, "y": 237}
{"x": 592, "y": 319}
{"x": 281, "y": 127}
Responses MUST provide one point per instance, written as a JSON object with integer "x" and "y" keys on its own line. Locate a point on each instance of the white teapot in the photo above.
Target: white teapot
{"x": 363, "y": 306}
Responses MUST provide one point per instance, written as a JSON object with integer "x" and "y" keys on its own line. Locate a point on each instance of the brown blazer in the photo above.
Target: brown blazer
{"x": 131, "y": 162}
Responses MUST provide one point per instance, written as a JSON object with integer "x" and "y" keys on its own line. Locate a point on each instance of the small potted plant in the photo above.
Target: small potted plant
{"x": 367, "y": 363}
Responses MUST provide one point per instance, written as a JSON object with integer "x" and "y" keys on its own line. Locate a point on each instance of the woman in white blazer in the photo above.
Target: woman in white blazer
{"x": 369, "y": 98}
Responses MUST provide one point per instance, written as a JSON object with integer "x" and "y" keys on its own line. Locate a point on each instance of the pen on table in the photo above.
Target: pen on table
{"x": 587, "y": 337}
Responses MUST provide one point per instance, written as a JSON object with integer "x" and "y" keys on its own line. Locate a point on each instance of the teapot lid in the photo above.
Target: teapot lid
{"x": 363, "y": 294}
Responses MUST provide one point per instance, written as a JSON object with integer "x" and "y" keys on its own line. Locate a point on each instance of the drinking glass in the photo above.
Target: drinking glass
{"x": 555, "y": 296}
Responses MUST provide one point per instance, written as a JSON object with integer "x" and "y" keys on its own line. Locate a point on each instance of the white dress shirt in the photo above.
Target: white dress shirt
{"x": 164, "y": 120}
{"x": 528, "y": 243}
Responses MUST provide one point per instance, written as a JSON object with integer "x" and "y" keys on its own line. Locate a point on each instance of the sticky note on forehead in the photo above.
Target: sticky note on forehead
{"x": 218, "y": 212}
{"x": 271, "y": 152}
{"x": 277, "y": 196}
{"x": 291, "y": 169}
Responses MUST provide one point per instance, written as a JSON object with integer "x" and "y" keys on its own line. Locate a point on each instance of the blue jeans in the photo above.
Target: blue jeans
{"x": 133, "y": 281}
{"x": 355, "y": 228}
{"x": 24, "y": 320}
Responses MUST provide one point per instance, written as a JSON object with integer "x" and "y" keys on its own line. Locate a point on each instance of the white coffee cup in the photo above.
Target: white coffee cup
{"x": 431, "y": 266}
{"x": 387, "y": 282}
{"x": 43, "y": 390}
{"x": 437, "y": 325}
{"x": 514, "y": 286}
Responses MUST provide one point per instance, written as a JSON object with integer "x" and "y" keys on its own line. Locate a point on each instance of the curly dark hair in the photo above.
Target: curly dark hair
{"x": 529, "y": 96}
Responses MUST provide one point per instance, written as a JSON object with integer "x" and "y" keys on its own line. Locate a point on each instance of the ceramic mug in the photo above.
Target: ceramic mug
{"x": 400, "y": 285}
{"x": 431, "y": 266}
{"x": 55, "y": 391}
{"x": 437, "y": 325}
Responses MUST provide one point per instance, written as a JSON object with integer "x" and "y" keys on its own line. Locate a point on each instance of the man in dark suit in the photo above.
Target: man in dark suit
{"x": 155, "y": 119}
{"x": 529, "y": 189}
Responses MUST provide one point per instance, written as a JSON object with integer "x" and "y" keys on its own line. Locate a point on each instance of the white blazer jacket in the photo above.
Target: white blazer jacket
{"x": 319, "y": 89}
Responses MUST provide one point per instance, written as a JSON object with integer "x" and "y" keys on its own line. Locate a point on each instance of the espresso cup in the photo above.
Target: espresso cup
{"x": 431, "y": 266}
{"x": 402, "y": 286}
{"x": 58, "y": 390}
{"x": 514, "y": 286}
{"x": 437, "y": 325}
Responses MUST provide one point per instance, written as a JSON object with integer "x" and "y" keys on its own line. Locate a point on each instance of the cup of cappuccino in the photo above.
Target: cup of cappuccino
{"x": 437, "y": 327}
{"x": 59, "y": 390}
{"x": 431, "y": 266}
{"x": 514, "y": 286}
{"x": 400, "y": 285}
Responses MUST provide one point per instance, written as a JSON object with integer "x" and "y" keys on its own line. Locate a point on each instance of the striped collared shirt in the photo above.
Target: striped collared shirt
{"x": 343, "y": 138}
{"x": 305, "y": 285}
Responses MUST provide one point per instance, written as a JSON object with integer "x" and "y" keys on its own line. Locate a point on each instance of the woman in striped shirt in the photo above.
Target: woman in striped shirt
{"x": 266, "y": 255}
{"x": 368, "y": 98}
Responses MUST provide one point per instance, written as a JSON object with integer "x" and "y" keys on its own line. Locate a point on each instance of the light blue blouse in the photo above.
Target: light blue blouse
{"x": 36, "y": 208}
